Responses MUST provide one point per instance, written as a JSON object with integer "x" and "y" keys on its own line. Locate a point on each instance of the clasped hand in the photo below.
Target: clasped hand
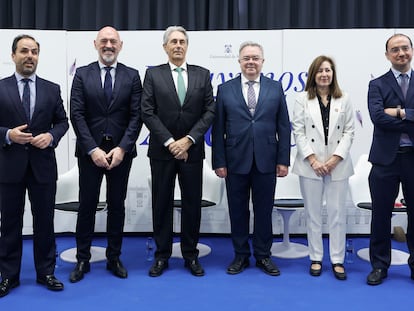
{"x": 323, "y": 169}
{"x": 18, "y": 136}
{"x": 108, "y": 160}
{"x": 179, "y": 148}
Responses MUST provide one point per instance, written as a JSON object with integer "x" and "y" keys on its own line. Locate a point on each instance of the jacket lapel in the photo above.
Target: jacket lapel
{"x": 334, "y": 113}
{"x": 166, "y": 75}
{"x": 315, "y": 113}
{"x": 238, "y": 94}
{"x": 396, "y": 87}
{"x": 13, "y": 91}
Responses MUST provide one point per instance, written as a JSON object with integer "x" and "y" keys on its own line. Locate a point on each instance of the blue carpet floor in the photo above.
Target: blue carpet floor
{"x": 177, "y": 289}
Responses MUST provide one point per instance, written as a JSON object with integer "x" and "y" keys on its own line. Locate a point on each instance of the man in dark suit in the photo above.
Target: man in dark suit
{"x": 105, "y": 114}
{"x": 32, "y": 122}
{"x": 251, "y": 146}
{"x": 178, "y": 108}
{"x": 391, "y": 107}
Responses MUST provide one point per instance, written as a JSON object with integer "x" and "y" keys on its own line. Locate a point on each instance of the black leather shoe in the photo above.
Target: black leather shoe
{"x": 6, "y": 285}
{"x": 376, "y": 276}
{"x": 81, "y": 268}
{"x": 238, "y": 265}
{"x": 339, "y": 275}
{"x": 117, "y": 268}
{"x": 315, "y": 272}
{"x": 51, "y": 282}
{"x": 195, "y": 267}
{"x": 268, "y": 266}
{"x": 158, "y": 268}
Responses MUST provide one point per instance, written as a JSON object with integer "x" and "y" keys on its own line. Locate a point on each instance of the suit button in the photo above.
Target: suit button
{"x": 26, "y": 148}
{"x": 252, "y": 121}
{"x": 312, "y": 140}
{"x": 339, "y": 127}
{"x": 313, "y": 126}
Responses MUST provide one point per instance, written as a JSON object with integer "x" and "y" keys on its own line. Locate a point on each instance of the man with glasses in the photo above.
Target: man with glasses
{"x": 391, "y": 107}
{"x": 251, "y": 147}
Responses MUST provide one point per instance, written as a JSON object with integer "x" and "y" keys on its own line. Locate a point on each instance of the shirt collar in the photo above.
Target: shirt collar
{"x": 183, "y": 66}
{"x": 397, "y": 73}
{"x": 101, "y": 65}
{"x": 244, "y": 80}
{"x": 19, "y": 77}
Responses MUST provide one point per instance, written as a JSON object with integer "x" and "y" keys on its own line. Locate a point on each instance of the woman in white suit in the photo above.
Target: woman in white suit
{"x": 323, "y": 127}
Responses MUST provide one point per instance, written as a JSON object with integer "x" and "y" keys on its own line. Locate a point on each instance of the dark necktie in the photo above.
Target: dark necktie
{"x": 26, "y": 98}
{"x": 251, "y": 97}
{"x": 108, "y": 85}
{"x": 180, "y": 85}
{"x": 404, "y": 83}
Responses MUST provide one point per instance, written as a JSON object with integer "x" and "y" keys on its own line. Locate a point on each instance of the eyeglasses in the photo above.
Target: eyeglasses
{"x": 253, "y": 58}
{"x": 404, "y": 48}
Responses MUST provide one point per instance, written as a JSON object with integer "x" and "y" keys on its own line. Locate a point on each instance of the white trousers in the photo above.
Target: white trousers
{"x": 315, "y": 193}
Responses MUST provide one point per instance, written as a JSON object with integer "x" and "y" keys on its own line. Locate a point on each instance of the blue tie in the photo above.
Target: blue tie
{"x": 404, "y": 83}
{"x": 26, "y": 98}
{"x": 108, "y": 85}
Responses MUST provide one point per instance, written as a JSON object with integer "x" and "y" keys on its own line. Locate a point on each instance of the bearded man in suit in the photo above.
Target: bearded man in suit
{"x": 105, "y": 114}
{"x": 32, "y": 122}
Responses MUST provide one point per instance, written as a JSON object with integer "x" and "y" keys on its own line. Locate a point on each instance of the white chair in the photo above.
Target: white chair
{"x": 67, "y": 200}
{"x": 360, "y": 195}
{"x": 288, "y": 200}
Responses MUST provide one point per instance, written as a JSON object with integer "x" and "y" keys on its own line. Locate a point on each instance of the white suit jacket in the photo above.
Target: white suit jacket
{"x": 310, "y": 139}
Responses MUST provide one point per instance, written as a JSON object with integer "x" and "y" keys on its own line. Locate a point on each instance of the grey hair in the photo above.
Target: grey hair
{"x": 170, "y": 30}
{"x": 250, "y": 43}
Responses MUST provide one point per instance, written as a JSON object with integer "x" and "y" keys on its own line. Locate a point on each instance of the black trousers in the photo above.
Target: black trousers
{"x": 90, "y": 179}
{"x": 163, "y": 174}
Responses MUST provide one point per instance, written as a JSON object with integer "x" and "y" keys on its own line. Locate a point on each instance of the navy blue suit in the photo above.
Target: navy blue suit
{"x": 390, "y": 168}
{"x": 251, "y": 147}
{"x": 27, "y": 167}
{"x": 92, "y": 118}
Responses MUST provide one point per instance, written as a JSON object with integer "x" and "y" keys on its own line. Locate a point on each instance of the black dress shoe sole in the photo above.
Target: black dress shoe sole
{"x": 52, "y": 288}
{"x": 79, "y": 277}
{"x": 272, "y": 273}
{"x": 13, "y": 285}
{"x": 242, "y": 267}
{"x": 376, "y": 282}
{"x": 158, "y": 272}
{"x": 196, "y": 273}
{"x": 121, "y": 275}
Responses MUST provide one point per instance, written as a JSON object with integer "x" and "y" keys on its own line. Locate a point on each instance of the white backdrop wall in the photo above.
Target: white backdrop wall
{"x": 359, "y": 56}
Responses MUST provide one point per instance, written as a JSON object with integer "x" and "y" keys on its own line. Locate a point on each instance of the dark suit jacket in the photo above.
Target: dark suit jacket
{"x": 384, "y": 92}
{"x": 91, "y": 116}
{"x": 164, "y": 116}
{"x": 49, "y": 116}
{"x": 239, "y": 137}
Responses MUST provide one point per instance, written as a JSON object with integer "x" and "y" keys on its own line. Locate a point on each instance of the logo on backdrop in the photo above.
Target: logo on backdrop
{"x": 227, "y": 53}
